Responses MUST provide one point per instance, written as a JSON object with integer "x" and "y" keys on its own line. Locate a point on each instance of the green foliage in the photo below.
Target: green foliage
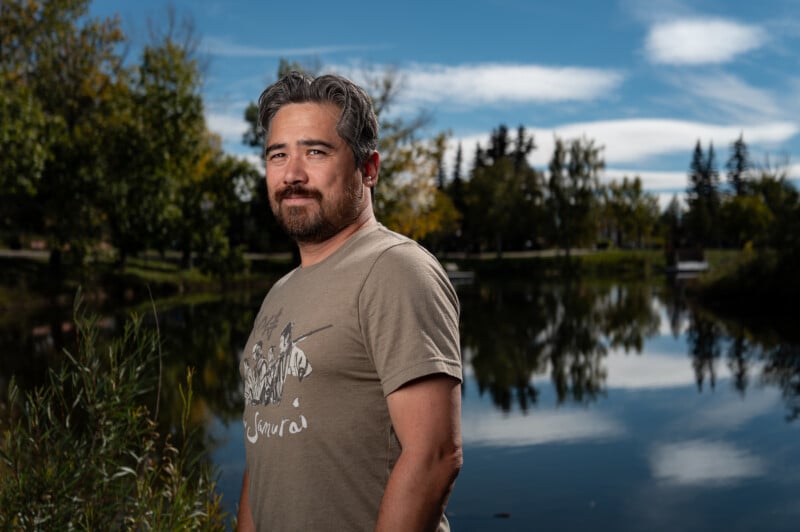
{"x": 738, "y": 165}
{"x": 85, "y": 452}
{"x": 629, "y": 214}
{"x": 503, "y": 200}
{"x": 572, "y": 192}
{"x": 746, "y": 219}
{"x": 61, "y": 73}
{"x": 97, "y": 151}
{"x": 703, "y": 198}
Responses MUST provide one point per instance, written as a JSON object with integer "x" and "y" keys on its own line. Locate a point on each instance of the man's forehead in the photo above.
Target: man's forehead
{"x": 301, "y": 120}
{"x": 310, "y": 109}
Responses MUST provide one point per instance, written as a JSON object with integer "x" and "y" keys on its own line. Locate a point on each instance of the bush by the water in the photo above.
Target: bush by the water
{"x": 84, "y": 451}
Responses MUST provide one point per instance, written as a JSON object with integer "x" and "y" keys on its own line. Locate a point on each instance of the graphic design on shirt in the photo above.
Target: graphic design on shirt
{"x": 267, "y": 323}
{"x": 265, "y": 378}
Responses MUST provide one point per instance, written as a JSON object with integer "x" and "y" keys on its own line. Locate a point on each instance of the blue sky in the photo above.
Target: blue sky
{"x": 645, "y": 79}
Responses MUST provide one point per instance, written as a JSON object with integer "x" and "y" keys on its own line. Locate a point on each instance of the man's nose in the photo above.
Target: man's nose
{"x": 295, "y": 171}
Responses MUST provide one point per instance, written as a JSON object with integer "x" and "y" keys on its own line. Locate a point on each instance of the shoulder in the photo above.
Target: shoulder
{"x": 280, "y": 283}
{"x": 404, "y": 269}
{"x": 406, "y": 259}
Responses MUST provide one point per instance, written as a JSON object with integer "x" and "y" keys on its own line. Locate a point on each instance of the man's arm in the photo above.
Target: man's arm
{"x": 244, "y": 520}
{"x": 426, "y": 415}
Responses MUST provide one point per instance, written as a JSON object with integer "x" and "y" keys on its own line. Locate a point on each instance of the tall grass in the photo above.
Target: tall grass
{"x": 84, "y": 451}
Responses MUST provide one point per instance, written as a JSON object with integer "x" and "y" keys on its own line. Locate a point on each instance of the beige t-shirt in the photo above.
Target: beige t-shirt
{"x": 329, "y": 343}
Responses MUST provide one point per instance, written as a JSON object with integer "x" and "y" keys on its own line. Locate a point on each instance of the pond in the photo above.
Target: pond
{"x": 586, "y": 404}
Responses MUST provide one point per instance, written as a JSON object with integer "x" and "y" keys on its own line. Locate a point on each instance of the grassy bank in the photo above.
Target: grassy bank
{"x": 755, "y": 284}
{"x": 623, "y": 264}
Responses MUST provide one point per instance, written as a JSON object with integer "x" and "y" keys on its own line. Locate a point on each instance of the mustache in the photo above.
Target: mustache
{"x": 297, "y": 191}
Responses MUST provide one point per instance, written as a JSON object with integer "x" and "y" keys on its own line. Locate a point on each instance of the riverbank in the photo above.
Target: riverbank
{"x": 26, "y": 279}
{"x": 755, "y": 285}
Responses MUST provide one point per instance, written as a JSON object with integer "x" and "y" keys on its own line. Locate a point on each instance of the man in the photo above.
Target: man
{"x": 353, "y": 420}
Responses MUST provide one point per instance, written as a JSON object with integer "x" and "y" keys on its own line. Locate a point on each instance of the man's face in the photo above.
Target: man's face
{"x": 314, "y": 187}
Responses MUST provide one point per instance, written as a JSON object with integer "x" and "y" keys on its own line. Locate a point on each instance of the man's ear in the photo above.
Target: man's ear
{"x": 370, "y": 169}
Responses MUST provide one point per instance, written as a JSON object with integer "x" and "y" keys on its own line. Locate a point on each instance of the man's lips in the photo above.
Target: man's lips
{"x": 297, "y": 195}
{"x": 297, "y": 200}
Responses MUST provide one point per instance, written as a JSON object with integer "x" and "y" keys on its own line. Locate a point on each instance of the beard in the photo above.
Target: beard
{"x": 311, "y": 224}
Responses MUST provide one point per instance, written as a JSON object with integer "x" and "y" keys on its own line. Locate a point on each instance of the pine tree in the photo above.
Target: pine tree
{"x": 523, "y": 146}
{"x": 703, "y": 196}
{"x": 458, "y": 163}
{"x": 440, "y": 174}
{"x": 738, "y": 165}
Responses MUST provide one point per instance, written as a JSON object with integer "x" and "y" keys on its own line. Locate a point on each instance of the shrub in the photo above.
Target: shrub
{"x": 83, "y": 451}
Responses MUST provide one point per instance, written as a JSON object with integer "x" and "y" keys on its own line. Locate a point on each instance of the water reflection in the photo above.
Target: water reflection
{"x": 612, "y": 392}
{"x": 579, "y": 337}
{"x": 514, "y": 331}
{"x": 703, "y": 463}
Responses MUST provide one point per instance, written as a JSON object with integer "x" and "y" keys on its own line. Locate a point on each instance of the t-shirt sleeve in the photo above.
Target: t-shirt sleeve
{"x": 408, "y": 312}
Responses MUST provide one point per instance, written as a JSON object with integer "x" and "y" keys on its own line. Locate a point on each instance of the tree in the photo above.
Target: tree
{"x": 504, "y": 199}
{"x": 409, "y": 201}
{"x": 672, "y": 227}
{"x": 159, "y": 142}
{"x": 738, "y": 165}
{"x": 67, "y": 69}
{"x": 572, "y": 186}
{"x": 630, "y": 212}
{"x": 783, "y": 201}
{"x": 746, "y": 219}
{"x": 456, "y": 187}
{"x": 703, "y": 198}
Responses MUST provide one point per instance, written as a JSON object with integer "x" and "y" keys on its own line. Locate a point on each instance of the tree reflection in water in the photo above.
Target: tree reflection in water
{"x": 515, "y": 334}
{"x": 515, "y": 330}
{"x": 782, "y": 369}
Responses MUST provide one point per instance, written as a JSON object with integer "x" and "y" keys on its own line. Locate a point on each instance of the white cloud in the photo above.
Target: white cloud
{"x": 650, "y": 180}
{"x": 495, "y": 83}
{"x": 483, "y": 84}
{"x": 697, "y": 41}
{"x": 224, "y": 47}
{"x": 230, "y": 127}
{"x": 482, "y": 428}
{"x": 665, "y": 198}
{"x": 731, "y": 95}
{"x": 704, "y": 463}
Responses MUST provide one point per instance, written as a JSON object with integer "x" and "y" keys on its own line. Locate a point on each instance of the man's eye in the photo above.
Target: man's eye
{"x": 275, "y": 156}
{"x": 315, "y": 151}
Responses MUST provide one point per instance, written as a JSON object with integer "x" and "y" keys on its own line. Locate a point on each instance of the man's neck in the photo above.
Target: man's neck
{"x": 314, "y": 253}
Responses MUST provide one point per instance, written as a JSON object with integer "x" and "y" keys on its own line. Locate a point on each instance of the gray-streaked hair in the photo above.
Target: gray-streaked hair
{"x": 357, "y": 125}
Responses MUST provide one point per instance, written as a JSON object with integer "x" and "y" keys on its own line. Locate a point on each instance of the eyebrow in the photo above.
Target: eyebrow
{"x": 302, "y": 142}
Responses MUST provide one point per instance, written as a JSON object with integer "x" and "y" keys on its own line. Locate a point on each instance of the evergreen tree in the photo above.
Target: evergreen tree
{"x": 703, "y": 197}
{"x": 455, "y": 191}
{"x": 523, "y": 146}
{"x": 738, "y": 165}
{"x": 480, "y": 157}
{"x": 440, "y": 173}
{"x": 458, "y": 163}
